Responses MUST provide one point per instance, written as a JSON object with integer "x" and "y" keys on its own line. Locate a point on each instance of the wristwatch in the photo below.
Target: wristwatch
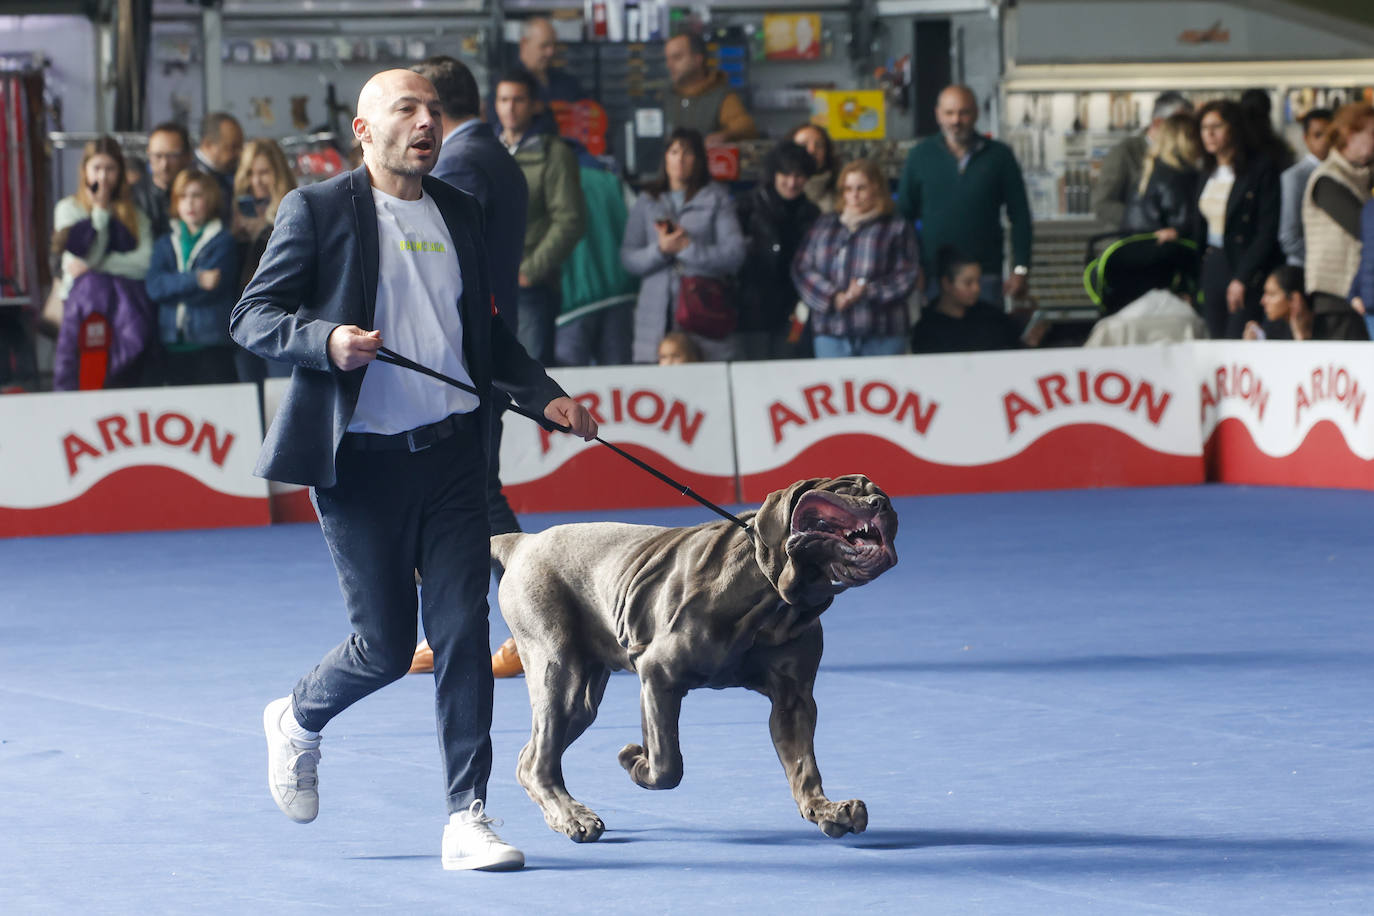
{"x": 1021, "y": 270}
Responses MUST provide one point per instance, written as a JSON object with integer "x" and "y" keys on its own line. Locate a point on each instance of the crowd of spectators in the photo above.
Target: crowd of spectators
{"x": 818, "y": 257}
{"x": 1281, "y": 239}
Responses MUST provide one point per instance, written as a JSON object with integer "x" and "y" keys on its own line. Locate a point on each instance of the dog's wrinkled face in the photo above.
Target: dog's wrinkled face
{"x": 844, "y": 528}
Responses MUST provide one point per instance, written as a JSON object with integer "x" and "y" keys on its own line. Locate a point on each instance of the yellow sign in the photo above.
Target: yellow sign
{"x": 851, "y": 115}
{"x": 792, "y": 36}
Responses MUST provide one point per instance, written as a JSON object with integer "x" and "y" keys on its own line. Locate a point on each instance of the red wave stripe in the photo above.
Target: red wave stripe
{"x": 292, "y": 506}
{"x": 1070, "y": 457}
{"x": 1324, "y": 459}
{"x": 598, "y": 478}
{"x": 144, "y": 498}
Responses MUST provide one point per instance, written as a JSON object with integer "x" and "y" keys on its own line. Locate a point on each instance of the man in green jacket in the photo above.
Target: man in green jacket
{"x": 554, "y": 217}
{"x": 955, "y": 184}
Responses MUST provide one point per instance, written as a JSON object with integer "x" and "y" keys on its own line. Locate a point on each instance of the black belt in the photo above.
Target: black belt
{"x": 413, "y": 440}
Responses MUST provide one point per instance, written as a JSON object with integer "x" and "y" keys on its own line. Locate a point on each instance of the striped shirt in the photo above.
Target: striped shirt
{"x": 882, "y": 252}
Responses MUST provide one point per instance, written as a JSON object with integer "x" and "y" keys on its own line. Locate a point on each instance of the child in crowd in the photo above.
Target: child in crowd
{"x": 1287, "y": 315}
{"x": 194, "y": 280}
{"x": 677, "y": 348}
{"x": 958, "y": 322}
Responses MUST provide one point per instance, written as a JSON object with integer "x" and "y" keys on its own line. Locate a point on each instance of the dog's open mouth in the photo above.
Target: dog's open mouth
{"x": 849, "y": 540}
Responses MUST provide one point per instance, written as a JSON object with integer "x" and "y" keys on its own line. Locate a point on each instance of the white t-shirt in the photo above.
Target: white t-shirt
{"x": 1212, "y": 204}
{"x": 419, "y": 286}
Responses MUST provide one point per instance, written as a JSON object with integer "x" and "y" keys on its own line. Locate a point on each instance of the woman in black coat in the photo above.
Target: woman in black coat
{"x": 1237, "y": 221}
{"x": 774, "y": 217}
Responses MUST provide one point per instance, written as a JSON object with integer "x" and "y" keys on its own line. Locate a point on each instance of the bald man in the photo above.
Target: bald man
{"x": 956, "y": 185}
{"x": 556, "y": 86}
{"x": 387, "y": 256}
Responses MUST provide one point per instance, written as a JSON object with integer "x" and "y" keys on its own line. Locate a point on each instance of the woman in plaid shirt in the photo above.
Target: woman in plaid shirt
{"x": 857, "y": 268}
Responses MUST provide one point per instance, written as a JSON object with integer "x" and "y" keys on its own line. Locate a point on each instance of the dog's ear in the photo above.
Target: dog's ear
{"x": 772, "y": 526}
{"x": 773, "y": 523}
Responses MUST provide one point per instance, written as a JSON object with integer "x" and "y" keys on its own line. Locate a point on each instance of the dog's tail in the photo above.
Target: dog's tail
{"x": 503, "y": 545}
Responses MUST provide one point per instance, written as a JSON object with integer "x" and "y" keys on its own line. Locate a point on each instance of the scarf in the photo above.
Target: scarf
{"x": 186, "y": 241}
{"x": 852, "y": 221}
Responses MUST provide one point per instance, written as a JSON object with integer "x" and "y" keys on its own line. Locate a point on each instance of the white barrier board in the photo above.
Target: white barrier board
{"x": 676, "y": 418}
{"x": 130, "y": 460}
{"x": 989, "y": 421}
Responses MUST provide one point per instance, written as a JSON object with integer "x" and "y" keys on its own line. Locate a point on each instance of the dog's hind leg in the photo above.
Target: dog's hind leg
{"x": 660, "y": 705}
{"x": 564, "y": 695}
{"x": 787, "y": 675}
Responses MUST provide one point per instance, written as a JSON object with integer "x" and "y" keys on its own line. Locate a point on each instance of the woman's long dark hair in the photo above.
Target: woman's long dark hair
{"x": 701, "y": 174}
{"x": 1242, "y": 142}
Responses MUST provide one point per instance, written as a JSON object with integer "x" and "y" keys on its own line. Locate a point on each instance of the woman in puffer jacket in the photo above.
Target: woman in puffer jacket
{"x": 103, "y": 242}
{"x": 682, "y": 225}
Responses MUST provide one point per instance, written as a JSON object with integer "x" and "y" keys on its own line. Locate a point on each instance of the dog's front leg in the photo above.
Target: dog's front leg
{"x": 788, "y": 681}
{"x": 660, "y": 704}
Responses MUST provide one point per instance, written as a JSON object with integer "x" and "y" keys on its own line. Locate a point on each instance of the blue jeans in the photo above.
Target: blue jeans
{"x": 390, "y": 514}
{"x": 828, "y": 347}
{"x": 600, "y": 338}
{"x": 1369, "y": 324}
{"x": 537, "y": 308}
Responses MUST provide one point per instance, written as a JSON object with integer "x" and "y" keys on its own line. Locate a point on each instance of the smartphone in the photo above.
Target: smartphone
{"x": 667, "y": 224}
{"x": 248, "y": 206}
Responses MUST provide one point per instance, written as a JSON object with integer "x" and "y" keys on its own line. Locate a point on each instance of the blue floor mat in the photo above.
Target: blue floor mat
{"x": 1113, "y": 701}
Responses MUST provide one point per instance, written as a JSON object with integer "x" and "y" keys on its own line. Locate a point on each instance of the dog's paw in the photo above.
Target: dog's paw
{"x": 838, "y": 818}
{"x": 636, "y": 762}
{"x": 578, "y": 822}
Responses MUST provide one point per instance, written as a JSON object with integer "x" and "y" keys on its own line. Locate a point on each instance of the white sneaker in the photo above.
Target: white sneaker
{"x": 291, "y": 766}
{"x": 469, "y": 842}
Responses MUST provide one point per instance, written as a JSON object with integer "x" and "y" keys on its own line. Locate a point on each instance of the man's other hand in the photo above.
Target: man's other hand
{"x": 350, "y": 347}
{"x": 567, "y": 412}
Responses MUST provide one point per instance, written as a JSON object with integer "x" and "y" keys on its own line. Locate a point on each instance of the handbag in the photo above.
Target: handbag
{"x": 704, "y": 307}
{"x": 704, "y": 304}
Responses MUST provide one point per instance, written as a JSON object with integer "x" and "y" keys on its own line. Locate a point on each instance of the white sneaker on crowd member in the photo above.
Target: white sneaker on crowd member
{"x": 470, "y": 843}
{"x": 292, "y": 762}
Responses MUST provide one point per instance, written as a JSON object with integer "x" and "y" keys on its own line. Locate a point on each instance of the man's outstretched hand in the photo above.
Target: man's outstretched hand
{"x": 567, "y": 412}
{"x": 350, "y": 347}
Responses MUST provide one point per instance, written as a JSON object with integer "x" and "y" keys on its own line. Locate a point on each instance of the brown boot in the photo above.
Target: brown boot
{"x": 423, "y": 662}
{"x": 506, "y": 661}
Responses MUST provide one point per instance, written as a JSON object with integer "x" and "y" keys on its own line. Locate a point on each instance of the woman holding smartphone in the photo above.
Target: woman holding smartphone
{"x": 682, "y": 225}
{"x": 104, "y": 244}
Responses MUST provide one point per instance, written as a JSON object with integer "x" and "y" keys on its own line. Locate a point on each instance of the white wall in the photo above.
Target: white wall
{"x": 70, "y": 43}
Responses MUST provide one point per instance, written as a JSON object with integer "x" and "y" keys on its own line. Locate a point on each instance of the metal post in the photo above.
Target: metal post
{"x": 211, "y": 39}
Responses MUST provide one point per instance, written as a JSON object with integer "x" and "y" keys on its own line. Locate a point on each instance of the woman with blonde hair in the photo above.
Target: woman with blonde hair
{"x": 857, "y": 268}
{"x": 104, "y": 243}
{"x": 1167, "y": 195}
{"x": 263, "y": 178}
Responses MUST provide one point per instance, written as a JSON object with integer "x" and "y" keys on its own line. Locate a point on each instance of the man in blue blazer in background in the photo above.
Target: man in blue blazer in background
{"x": 473, "y": 160}
{"x": 397, "y": 461}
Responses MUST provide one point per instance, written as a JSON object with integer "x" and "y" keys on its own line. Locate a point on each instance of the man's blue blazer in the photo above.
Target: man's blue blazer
{"x": 476, "y": 162}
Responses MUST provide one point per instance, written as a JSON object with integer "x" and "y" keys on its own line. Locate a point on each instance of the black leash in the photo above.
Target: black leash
{"x": 391, "y": 356}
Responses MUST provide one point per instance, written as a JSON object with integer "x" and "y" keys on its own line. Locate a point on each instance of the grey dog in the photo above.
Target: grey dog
{"x": 706, "y": 606}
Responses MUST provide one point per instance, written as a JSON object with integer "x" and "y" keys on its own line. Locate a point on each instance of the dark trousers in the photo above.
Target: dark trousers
{"x": 1221, "y": 322}
{"x": 500, "y": 516}
{"x": 390, "y": 514}
{"x": 1334, "y": 319}
{"x": 201, "y": 366}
